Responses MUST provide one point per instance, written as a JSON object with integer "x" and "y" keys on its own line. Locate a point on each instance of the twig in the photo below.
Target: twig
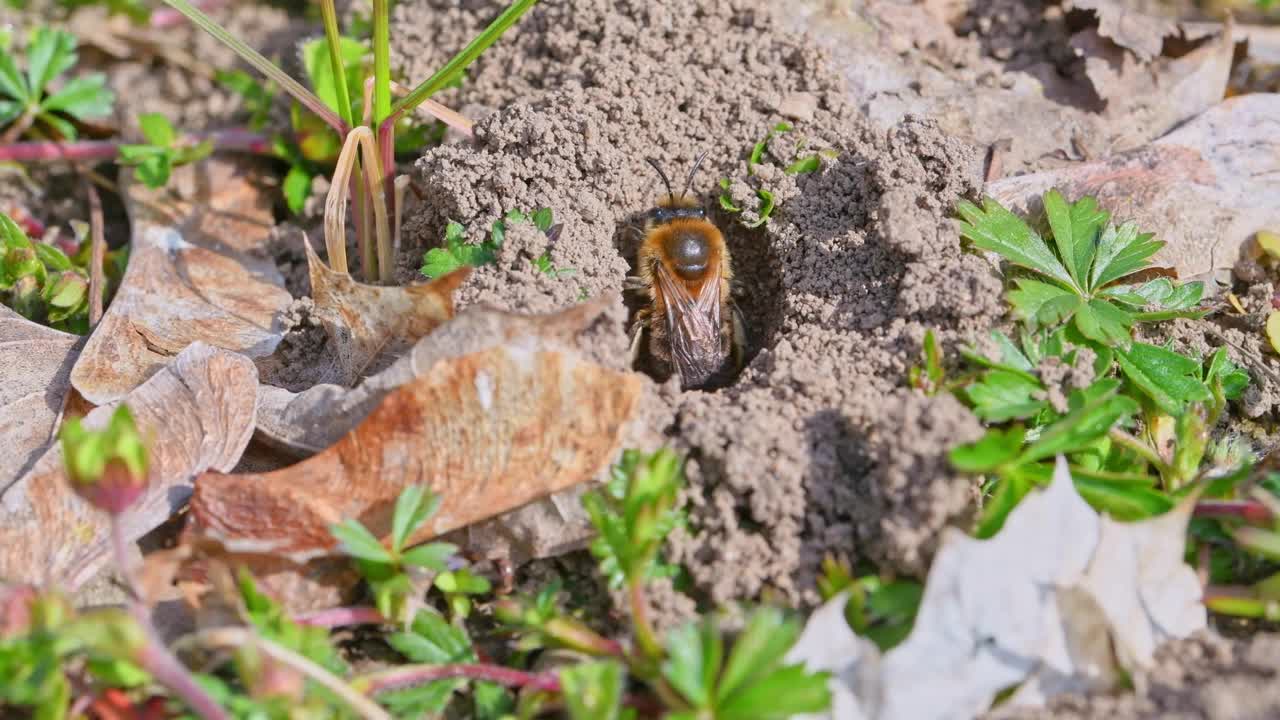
{"x": 234, "y": 637}
{"x": 97, "y": 255}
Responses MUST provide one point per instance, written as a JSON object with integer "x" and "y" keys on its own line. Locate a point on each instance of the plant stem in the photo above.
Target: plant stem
{"x": 646, "y": 638}
{"x": 97, "y": 254}
{"x": 381, "y": 60}
{"x": 339, "y": 617}
{"x": 236, "y": 637}
{"x": 19, "y": 126}
{"x": 329, "y": 15}
{"x": 1120, "y": 437}
{"x": 92, "y": 150}
{"x": 409, "y": 675}
{"x": 261, "y": 64}
{"x": 1250, "y": 511}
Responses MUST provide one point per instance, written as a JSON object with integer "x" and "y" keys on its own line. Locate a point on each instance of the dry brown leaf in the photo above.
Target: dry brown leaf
{"x": 367, "y": 321}
{"x": 197, "y": 413}
{"x": 1205, "y": 188}
{"x": 490, "y": 431}
{"x": 37, "y": 363}
{"x": 197, "y": 272}
{"x": 1140, "y": 32}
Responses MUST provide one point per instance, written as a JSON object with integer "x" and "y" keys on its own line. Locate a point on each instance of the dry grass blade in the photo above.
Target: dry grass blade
{"x": 360, "y": 140}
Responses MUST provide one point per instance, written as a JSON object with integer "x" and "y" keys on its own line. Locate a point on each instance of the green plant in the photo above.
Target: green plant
{"x": 31, "y": 104}
{"x": 457, "y": 252}
{"x": 389, "y": 570}
{"x": 882, "y": 611}
{"x": 163, "y": 150}
{"x": 40, "y": 282}
{"x": 365, "y": 166}
{"x": 803, "y": 164}
{"x": 1078, "y": 279}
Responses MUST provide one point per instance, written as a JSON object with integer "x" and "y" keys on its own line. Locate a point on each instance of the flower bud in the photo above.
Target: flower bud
{"x": 106, "y": 467}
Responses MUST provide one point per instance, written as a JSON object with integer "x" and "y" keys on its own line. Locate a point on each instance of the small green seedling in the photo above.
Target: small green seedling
{"x": 804, "y": 164}
{"x": 882, "y": 611}
{"x": 163, "y": 151}
{"x": 930, "y": 377}
{"x": 387, "y": 569}
{"x": 457, "y": 252}
{"x": 40, "y": 101}
{"x": 1080, "y": 278}
{"x": 458, "y": 587}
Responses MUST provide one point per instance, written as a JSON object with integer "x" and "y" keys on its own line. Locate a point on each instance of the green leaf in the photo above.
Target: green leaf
{"x": 543, "y": 219}
{"x": 997, "y": 447}
{"x": 433, "y": 640}
{"x": 1103, "y": 322}
{"x": 1090, "y": 420}
{"x": 805, "y": 165}
{"x": 593, "y": 690}
{"x": 1221, "y": 370}
{"x": 51, "y": 53}
{"x": 12, "y": 82}
{"x": 1075, "y": 229}
{"x": 1169, "y": 379}
{"x": 1002, "y": 395}
{"x": 358, "y": 542}
{"x": 996, "y": 229}
{"x": 12, "y": 235}
{"x": 1121, "y": 252}
{"x": 757, "y": 152}
{"x": 117, "y": 673}
{"x": 84, "y": 97}
{"x": 767, "y": 203}
{"x": 694, "y": 654}
{"x": 1043, "y": 303}
{"x": 54, "y": 259}
{"x": 157, "y": 129}
{"x": 786, "y": 692}
{"x": 1010, "y": 490}
{"x": 439, "y": 262}
{"x": 462, "y": 581}
{"x": 433, "y": 556}
{"x": 154, "y": 170}
{"x": 1124, "y": 501}
{"x": 761, "y": 646}
{"x": 420, "y": 701}
{"x": 9, "y": 111}
{"x": 319, "y": 69}
{"x": 726, "y": 200}
{"x": 414, "y": 505}
{"x": 492, "y": 701}
{"x": 297, "y": 188}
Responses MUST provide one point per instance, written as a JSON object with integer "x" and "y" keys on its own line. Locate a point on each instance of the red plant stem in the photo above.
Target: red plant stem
{"x": 386, "y": 137}
{"x": 1251, "y": 511}
{"x": 409, "y": 675}
{"x": 338, "y": 617}
{"x": 226, "y": 140}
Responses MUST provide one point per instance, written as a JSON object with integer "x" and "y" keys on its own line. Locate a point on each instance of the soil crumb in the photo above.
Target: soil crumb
{"x": 803, "y": 454}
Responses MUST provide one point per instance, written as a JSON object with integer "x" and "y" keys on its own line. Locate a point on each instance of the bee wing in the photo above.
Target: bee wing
{"x": 693, "y": 327}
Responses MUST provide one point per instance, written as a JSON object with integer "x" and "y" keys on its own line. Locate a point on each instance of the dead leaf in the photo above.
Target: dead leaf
{"x": 366, "y": 321}
{"x": 197, "y": 413}
{"x": 197, "y": 272}
{"x": 1139, "y": 32}
{"x": 37, "y": 364}
{"x": 1060, "y": 600}
{"x": 1204, "y": 189}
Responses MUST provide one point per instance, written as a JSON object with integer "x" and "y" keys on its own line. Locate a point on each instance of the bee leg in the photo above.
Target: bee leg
{"x": 739, "y": 349}
{"x": 632, "y": 282}
{"x": 637, "y": 334}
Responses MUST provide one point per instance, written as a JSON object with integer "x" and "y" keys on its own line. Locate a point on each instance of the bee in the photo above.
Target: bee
{"x": 689, "y": 324}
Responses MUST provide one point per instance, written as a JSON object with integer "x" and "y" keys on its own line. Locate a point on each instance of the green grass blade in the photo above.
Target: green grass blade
{"x": 461, "y": 60}
{"x": 381, "y": 60}
{"x": 260, "y": 63}
{"x": 333, "y": 36}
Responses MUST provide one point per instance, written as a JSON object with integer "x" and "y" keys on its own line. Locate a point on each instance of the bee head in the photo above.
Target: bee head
{"x": 673, "y": 207}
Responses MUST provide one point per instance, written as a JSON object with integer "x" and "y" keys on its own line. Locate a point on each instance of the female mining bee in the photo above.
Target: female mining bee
{"x": 683, "y": 267}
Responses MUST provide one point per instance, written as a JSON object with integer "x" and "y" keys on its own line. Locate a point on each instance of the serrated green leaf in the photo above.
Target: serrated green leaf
{"x": 788, "y": 691}
{"x": 1124, "y": 501}
{"x": 757, "y": 651}
{"x": 994, "y": 228}
{"x": 1042, "y": 303}
{"x": 414, "y": 505}
{"x": 154, "y": 170}
{"x": 1001, "y": 396}
{"x": 1075, "y": 231}
{"x": 593, "y": 690}
{"x": 1009, "y": 491}
{"x": 1103, "y": 322}
{"x": 84, "y": 97}
{"x": 51, "y": 53}
{"x": 1169, "y": 379}
{"x": 157, "y": 129}
{"x": 997, "y": 447}
{"x": 1121, "y": 251}
{"x": 420, "y": 701}
{"x": 62, "y": 128}
{"x": 433, "y": 640}
{"x": 439, "y": 262}
{"x": 12, "y": 82}
{"x": 1084, "y": 424}
{"x": 358, "y": 542}
{"x": 694, "y": 653}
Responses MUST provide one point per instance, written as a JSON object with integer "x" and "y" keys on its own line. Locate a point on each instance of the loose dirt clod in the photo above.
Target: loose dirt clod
{"x": 837, "y": 289}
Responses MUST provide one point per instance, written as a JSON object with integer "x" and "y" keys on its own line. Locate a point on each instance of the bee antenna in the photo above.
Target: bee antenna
{"x": 662, "y": 175}
{"x": 694, "y": 171}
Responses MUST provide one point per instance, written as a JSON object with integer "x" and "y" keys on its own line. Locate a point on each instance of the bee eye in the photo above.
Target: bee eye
{"x": 688, "y": 253}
